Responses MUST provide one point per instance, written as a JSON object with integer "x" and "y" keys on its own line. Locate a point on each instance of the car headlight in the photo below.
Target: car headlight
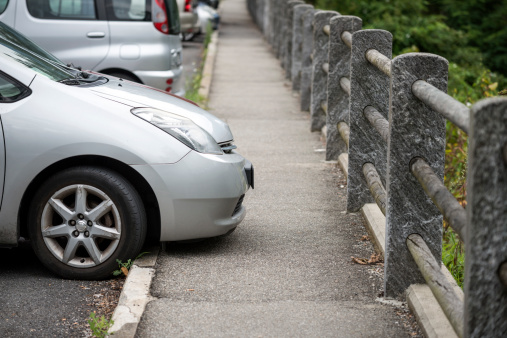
{"x": 181, "y": 128}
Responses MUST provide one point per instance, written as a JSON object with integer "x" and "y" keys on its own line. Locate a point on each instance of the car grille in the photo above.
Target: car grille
{"x": 227, "y": 147}
{"x": 238, "y": 205}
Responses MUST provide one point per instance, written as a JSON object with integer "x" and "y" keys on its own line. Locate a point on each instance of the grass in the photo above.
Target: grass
{"x": 99, "y": 326}
{"x": 192, "y": 90}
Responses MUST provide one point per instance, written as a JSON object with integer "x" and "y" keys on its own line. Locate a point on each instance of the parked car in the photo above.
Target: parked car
{"x": 94, "y": 165}
{"x": 189, "y": 19}
{"x": 212, "y": 3}
{"x": 137, "y": 40}
{"x": 207, "y": 16}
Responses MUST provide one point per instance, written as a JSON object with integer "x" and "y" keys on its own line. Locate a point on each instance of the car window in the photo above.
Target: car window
{"x": 62, "y": 9}
{"x": 3, "y": 5}
{"x": 128, "y": 10}
{"x": 41, "y": 65}
{"x": 11, "y": 90}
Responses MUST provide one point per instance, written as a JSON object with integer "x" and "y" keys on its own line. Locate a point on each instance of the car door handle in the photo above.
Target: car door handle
{"x": 96, "y": 35}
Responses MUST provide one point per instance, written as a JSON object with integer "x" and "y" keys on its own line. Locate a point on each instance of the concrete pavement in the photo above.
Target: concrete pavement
{"x": 287, "y": 270}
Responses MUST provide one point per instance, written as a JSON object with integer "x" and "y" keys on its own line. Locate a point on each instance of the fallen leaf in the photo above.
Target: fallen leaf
{"x": 361, "y": 261}
{"x": 374, "y": 259}
{"x": 365, "y": 238}
{"x": 124, "y": 270}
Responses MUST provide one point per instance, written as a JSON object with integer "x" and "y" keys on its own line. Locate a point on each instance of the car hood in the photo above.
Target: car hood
{"x": 139, "y": 96}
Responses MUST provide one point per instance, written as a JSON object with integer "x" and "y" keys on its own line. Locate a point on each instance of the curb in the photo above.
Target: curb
{"x": 209, "y": 64}
{"x": 134, "y": 296}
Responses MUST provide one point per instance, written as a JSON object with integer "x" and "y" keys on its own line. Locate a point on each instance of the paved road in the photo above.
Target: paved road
{"x": 287, "y": 270}
{"x": 36, "y": 303}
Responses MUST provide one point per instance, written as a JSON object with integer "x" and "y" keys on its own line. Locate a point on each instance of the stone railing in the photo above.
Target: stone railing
{"x": 389, "y": 115}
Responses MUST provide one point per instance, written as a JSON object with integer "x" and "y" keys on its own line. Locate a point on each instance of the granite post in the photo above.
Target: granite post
{"x": 267, "y": 19}
{"x": 285, "y": 26}
{"x": 369, "y": 86}
{"x": 486, "y": 247}
{"x": 337, "y": 99}
{"x": 297, "y": 45}
{"x": 260, "y": 14}
{"x": 319, "y": 76}
{"x": 279, "y": 18}
{"x": 306, "y": 59}
{"x": 289, "y": 37}
{"x": 415, "y": 131}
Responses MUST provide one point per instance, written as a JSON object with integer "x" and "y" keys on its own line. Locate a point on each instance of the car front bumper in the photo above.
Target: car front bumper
{"x": 201, "y": 195}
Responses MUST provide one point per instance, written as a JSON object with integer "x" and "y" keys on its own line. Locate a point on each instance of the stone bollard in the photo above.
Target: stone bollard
{"x": 289, "y": 37}
{"x": 486, "y": 246}
{"x": 285, "y": 26}
{"x": 268, "y": 11}
{"x": 297, "y": 45}
{"x": 415, "y": 131}
{"x": 368, "y": 87}
{"x": 337, "y": 99}
{"x": 306, "y": 59}
{"x": 319, "y": 76}
{"x": 260, "y": 14}
{"x": 279, "y": 18}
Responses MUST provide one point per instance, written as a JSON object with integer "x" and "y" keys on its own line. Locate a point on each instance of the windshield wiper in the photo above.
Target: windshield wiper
{"x": 70, "y": 82}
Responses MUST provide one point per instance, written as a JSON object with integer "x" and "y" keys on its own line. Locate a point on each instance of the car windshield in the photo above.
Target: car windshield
{"x": 41, "y": 65}
{"x": 10, "y": 34}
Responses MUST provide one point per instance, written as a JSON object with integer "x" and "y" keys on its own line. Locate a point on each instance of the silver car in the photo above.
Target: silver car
{"x": 136, "y": 40}
{"x": 93, "y": 166}
{"x": 189, "y": 20}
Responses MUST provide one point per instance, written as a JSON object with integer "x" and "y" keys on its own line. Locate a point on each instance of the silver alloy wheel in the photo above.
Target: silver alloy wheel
{"x": 81, "y": 226}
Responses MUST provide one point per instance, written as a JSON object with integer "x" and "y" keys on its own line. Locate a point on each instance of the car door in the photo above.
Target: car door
{"x": 75, "y": 31}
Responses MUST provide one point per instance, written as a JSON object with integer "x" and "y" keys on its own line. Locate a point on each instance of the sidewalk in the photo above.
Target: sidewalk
{"x": 287, "y": 270}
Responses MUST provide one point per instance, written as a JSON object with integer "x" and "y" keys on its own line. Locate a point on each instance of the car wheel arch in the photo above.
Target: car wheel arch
{"x": 137, "y": 180}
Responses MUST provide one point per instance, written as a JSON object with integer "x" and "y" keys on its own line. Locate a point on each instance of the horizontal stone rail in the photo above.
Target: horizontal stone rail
{"x": 389, "y": 116}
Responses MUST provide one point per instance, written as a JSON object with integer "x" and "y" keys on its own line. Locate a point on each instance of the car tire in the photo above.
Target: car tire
{"x": 188, "y": 36}
{"x": 83, "y": 219}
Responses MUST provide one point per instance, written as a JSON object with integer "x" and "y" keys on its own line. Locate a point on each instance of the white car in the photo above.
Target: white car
{"x": 92, "y": 165}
